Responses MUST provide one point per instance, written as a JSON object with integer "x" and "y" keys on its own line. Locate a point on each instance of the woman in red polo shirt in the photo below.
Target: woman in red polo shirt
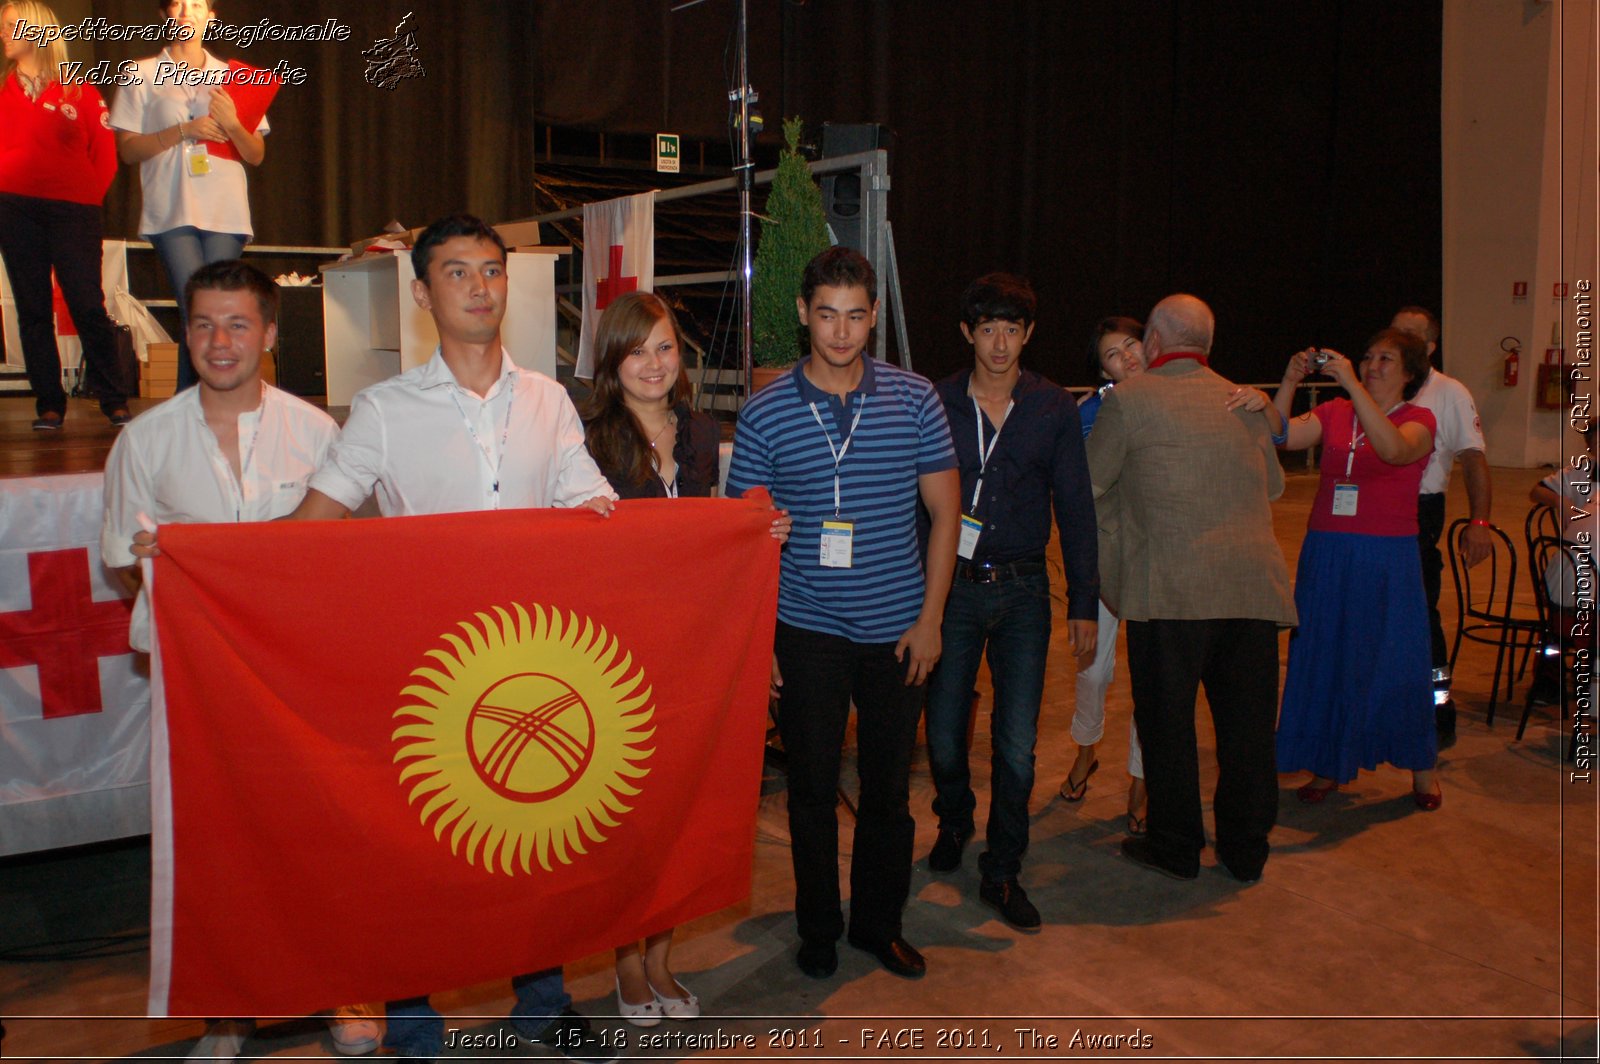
{"x": 57, "y": 158}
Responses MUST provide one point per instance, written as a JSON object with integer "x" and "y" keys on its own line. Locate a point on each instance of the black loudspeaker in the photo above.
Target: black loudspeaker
{"x": 841, "y": 193}
{"x": 301, "y": 369}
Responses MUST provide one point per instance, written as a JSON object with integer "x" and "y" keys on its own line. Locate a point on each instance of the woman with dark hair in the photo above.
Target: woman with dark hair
{"x": 1358, "y": 690}
{"x": 647, "y": 441}
{"x": 1116, "y": 352}
{"x": 196, "y": 205}
{"x": 56, "y": 161}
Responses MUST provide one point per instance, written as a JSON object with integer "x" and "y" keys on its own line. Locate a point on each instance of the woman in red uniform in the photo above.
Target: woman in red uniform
{"x": 57, "y": 158}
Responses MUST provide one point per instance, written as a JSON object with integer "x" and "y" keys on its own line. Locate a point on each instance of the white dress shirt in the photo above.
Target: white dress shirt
{"x": 166, "y": 464}
{"x": 426, "y": 445}
{"x": 1458, "y": 428}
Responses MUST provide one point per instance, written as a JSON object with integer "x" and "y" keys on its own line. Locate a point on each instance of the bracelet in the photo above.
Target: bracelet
{"x": 1279, "y": 439}
{"x": 1481, "y": 523}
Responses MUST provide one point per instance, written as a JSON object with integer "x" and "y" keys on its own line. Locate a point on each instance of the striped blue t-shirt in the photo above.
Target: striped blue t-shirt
{"x": 902, "y": 435}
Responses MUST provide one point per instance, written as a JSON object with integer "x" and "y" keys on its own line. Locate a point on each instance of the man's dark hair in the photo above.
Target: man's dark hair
{"x": 839, "y": 267}
{"x": 234, "y": 275}
{"x": 447, "y": 228}
{"x": 1413, "y": 356}
{"x": 999, "y": 297}
{"x": 1428, "y": 316}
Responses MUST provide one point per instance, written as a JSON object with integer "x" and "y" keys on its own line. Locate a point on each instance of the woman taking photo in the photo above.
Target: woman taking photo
{"x": 1358, "y": 691}
{"x": 649, "y": 444}
{"x": 196, "y": 207}
{"x": 1116, "y": 352}
{"x": 56, "y": 161}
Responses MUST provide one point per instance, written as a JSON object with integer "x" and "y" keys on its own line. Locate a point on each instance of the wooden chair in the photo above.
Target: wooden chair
{"x": 1484, "y": 610}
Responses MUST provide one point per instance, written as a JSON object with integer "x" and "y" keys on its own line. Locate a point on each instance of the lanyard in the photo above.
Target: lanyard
{"x": 1357, "y": 434}
{"x": 492, "y": 462}
{"x": 985, "y": 452}
{"x": 1164, "y": 359}
{"x": 838, "y": 452}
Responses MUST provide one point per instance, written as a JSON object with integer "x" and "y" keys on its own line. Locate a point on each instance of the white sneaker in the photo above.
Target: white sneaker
{"x": 222, "y": 1040}
{"x": 355, "y": 1029}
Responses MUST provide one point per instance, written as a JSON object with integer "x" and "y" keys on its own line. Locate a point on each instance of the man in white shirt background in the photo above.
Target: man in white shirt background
{"x": 1459, "y": 436}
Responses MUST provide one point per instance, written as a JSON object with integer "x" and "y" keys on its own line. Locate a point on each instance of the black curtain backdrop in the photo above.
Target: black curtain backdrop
{"x": 1279, "y": 160}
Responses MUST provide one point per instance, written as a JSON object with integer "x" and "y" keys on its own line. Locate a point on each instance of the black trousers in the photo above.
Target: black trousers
{"x": 1430, "y": 527}
{"x": 822, "y": 674}
{"x": 1237, "y": 661}
{"x": 36, "y": 235}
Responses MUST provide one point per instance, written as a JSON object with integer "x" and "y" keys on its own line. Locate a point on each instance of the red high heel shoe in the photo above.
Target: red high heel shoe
{"x": 1313, "y": 794}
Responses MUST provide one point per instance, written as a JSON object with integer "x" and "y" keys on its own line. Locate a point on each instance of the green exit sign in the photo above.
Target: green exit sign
{"x": 666, "y": 153}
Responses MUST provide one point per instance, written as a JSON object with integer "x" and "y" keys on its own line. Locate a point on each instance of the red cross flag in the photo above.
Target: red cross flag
{"x": 74, "y": 705}
{"x": 619, "y": 255}
{"x": 418, "y": 753}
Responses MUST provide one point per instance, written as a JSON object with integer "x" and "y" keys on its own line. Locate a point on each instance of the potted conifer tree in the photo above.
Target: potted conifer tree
{"x": 793, "y": 230}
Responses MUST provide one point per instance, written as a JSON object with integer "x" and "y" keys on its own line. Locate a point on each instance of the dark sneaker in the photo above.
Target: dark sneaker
{"x": 119, "y": 416}
{"x": 1008, "y": 898}
{"x": 49, "y": 421}
{"x": 819, "y": 960}
{"x": 946, "y": 853}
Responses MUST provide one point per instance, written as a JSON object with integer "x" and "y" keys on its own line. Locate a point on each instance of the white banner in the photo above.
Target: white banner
{"x": 74, "y": 700}
{"x": 619, "y": 255}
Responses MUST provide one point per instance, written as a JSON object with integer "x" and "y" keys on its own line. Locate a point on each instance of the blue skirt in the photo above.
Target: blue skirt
{"x": 1359, "y": 690}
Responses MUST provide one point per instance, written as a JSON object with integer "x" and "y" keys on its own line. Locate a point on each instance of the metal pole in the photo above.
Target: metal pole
{"x": 746, "y": 167}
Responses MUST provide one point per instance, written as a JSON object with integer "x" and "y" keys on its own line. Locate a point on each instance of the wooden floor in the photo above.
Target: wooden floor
{"x": 1377, "y": 932}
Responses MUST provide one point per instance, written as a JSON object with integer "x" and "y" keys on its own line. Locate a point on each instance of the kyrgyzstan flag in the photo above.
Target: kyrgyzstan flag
{"x": 402, "y": 755}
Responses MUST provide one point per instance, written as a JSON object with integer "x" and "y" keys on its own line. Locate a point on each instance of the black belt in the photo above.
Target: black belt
{"x": 996, "y": 572}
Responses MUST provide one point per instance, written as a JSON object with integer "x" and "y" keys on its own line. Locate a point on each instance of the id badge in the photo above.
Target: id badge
{"x": 837, "y": 537}
{"x": 971, "y": 529}
{"x": 1344, "y": 500}
{"x": 196, "y": 160}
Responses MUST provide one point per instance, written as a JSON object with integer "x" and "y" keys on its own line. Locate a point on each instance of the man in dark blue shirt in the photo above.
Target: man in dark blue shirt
{"x": 1020, "y": 452}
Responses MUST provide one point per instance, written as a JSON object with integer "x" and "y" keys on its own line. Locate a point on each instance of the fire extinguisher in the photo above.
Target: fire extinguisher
{"x": 1513, "y": 352}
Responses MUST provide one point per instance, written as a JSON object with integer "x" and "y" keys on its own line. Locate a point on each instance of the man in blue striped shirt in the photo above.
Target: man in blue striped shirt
{"x": 848, "y": 446}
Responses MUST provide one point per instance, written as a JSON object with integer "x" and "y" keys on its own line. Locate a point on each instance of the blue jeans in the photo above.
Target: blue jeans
{"x": 415, "y": 1028}
{"x": 1012, "y": 619}
{"x": 183, "y": 251}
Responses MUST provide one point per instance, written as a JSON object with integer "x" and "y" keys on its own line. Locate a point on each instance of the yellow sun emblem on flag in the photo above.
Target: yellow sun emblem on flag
{"x": 526, "y": 739}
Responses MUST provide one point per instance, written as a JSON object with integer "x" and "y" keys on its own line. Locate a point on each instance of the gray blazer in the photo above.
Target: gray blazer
{"x": 1192, "y": 485}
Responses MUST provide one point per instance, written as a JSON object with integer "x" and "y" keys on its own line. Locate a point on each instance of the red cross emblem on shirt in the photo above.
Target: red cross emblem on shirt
{"x": 66, "y": 633}
{"x": 609, "y": 288}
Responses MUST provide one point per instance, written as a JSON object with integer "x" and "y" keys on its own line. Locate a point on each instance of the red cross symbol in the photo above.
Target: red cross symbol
{"x": 615, "y": 285}
{"x": 66, "y": 633}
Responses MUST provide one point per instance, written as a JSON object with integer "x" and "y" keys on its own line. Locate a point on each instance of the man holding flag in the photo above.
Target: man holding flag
{"x": 230, "y": 449}
{"x": 468, "y": 430}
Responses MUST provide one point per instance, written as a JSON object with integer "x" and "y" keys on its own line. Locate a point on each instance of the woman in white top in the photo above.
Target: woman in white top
{"x": 196, "y": 204}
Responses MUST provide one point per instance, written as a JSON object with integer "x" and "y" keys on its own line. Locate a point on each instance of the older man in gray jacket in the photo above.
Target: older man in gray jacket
{"x": 1203, "y": 589}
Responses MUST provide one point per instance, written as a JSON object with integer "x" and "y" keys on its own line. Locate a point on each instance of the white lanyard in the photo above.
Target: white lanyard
{"x": 493, "y": 462}
{"x": 984, "y": 453}
{"x": 838, "y": 452}
{"x": 1357, "y": 435}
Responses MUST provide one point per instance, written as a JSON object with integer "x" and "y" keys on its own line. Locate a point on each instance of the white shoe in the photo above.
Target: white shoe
{"x": 645, "y": 1015}
{"x": 355, "y": 1029}
{"x": 222, "y": 1040}
{"x": 684, "y": 1008}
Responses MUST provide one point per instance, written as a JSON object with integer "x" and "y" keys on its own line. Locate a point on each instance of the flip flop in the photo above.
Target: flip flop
{"x": 1075, "y": 792}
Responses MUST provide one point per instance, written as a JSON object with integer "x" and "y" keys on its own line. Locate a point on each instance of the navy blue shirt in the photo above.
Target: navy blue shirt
{"x": 1037, "y": 465}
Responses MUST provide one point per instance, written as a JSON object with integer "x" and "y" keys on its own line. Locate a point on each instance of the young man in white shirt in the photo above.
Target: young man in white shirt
{"x": 467, "y": 430}
{"x": 230, "y": 449}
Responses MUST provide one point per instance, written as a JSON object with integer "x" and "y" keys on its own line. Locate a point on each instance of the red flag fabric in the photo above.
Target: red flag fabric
{"x": 403, "y": 755}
